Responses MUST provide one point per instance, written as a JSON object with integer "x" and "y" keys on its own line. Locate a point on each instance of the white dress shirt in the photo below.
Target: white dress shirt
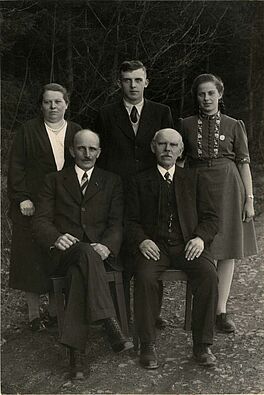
{"x": 163, "y": 171}
{"x": 80, "y": 172}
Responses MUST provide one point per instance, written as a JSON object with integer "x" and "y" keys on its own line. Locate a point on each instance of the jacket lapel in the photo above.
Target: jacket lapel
{"x": 123, "y": 122}
{"x": 154, "y": 190}
{"x": 68, "y": 137}
{"x": 72, "y": 185}
{"x": 94, "y": 185}
{"x": 42, "y": 136}
{"x": 185, "y": 199}
{"x": 145, "y": 120}
{"x": 154, "y": 182}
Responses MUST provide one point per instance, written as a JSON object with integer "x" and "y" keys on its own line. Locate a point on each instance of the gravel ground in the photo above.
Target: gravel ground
{"x": 36, "y": 363}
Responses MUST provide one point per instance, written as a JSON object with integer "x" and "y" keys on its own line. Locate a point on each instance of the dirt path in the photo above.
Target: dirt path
{"x": 36, "y": 363}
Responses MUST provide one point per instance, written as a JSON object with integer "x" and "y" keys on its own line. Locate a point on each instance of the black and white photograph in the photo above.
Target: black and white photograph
{"x": 132, "y": 197}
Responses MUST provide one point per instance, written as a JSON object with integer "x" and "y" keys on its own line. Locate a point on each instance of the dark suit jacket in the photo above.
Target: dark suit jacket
{"x": 196, "y": 211}
{"x": 96, "y": 216}
{"x": 31, "y": 159}
{"x": 122, "y": 151}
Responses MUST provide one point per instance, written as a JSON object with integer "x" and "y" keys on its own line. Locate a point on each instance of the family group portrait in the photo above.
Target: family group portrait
{"x": 132, "y": 197}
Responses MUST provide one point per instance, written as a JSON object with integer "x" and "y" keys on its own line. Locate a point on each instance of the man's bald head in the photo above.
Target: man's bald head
{"x": 85, "y": 132}
{"x": 85, "y": 149}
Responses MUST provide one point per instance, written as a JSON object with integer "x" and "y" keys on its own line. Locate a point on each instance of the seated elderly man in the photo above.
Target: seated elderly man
{"x": 170, "y": 222}
{"x": 79, "y": 221}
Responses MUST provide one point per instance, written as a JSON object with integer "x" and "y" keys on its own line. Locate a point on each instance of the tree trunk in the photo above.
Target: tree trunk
{"x": 183, "y": 76}
{"x": 69, "y": 53}
{"x": 250, "y": 86}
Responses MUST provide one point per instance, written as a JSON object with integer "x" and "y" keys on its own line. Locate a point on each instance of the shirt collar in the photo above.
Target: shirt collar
{"x": 164, "y": 171}
{"x": 80, "y": 172}
{"x": 206, "y": 116}
{"x": 55, "y": 128}
{"x": 138, "y": 106}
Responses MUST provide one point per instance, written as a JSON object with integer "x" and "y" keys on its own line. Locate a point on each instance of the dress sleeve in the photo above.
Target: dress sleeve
{"x": 241, "y": 143}
{"x": 17, "y": 186}
{"x": 179, "y": 126}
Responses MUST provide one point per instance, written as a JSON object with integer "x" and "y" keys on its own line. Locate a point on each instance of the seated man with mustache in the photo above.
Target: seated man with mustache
{"x": 78, "y": 220}
{"x": 170, "y": 222}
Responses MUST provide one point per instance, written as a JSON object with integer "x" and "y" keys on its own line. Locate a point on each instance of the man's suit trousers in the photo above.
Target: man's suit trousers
{"x": 203, "y": 279}
{"x": 89, "y": 297}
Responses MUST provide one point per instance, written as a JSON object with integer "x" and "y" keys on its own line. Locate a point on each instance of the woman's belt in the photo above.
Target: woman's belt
{"x": 208, "y": 162}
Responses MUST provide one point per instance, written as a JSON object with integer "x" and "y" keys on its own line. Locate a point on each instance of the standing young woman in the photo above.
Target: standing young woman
{"x": 216, "y": 146}
{"x": 40, "y": 147}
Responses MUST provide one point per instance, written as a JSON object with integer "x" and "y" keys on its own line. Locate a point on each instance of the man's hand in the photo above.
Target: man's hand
{"x": 27, "y": 208}
{"x": 248, "y": 211}
{"x": 149, "y": 249}
{"x": 194, "y": 248}
{"x": 65, "y": 241}
{"x": 102, "y": 250}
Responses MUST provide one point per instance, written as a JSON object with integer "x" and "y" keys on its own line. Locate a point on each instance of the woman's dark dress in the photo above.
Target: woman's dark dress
{"x": 215, "y": 157}
{"x": 31, "y": 159}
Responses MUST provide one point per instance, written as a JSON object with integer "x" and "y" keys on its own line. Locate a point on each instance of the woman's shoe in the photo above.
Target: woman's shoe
{"x": 224, "y": 323}
{"x": 77, "y": 361}
{"x": 36, "y": 325}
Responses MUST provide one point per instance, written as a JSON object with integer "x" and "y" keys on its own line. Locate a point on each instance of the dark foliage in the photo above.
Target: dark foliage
{"x": 80, "y": 44}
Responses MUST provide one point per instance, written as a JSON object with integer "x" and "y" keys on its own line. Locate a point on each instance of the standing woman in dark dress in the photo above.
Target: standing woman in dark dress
{"x": 40, "y": 147}
{"x": 216, "y": 146}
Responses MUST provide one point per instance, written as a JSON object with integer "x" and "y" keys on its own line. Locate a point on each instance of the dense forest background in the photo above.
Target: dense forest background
{"x": 80, "y": 44}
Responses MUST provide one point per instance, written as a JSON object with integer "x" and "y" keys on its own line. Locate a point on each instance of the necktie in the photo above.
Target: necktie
{"x": 84, "y": 182}
{"x": 133, "y": 115}
{"x": 170, "y": 219}
{"x": 167, "y": 178}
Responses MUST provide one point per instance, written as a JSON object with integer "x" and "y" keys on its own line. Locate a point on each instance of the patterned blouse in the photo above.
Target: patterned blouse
{"x": 217, "y": 136}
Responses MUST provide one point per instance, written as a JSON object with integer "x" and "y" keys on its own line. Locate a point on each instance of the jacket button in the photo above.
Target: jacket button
{"x": 84, "y": 226}
{"x": 83, "y": 209}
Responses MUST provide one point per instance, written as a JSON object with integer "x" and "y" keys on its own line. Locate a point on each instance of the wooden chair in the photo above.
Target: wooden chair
{"x": 60, "y": 285}
{"x": 173, "y": 275}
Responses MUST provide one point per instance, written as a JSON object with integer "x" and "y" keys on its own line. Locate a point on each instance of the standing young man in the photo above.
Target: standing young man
{"x": 126, "y": 129}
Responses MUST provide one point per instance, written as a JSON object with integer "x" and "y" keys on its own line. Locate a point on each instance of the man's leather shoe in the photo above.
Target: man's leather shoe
{"x": 203, "y": 355}
{"x": 224, "y": 323}
{"x": 50, "y": 321}
{"x": 116, "y": 338}
{"x": 76, "y": 364}
{"x": 161, "y": 323}
{"x": 37, "y": 325}
{"x": 148, "y": 356}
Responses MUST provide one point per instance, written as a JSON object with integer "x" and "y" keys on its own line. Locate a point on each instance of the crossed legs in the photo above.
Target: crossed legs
{"x": 89, "y": 296}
